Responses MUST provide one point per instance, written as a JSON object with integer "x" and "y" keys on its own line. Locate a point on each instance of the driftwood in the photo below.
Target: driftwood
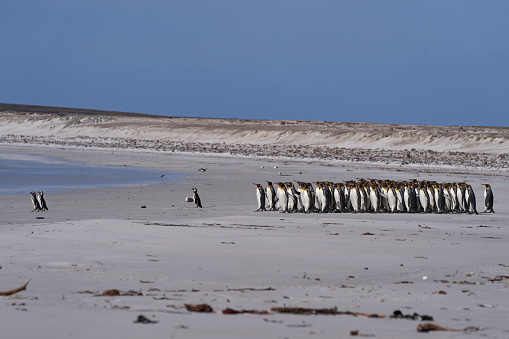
{"x": 251, "y": 289}
{"x": 16, "y": 290}
{"x": 324, "y": 311}
{"x": 232, "y": 311}
{"x": 426, "y": 327}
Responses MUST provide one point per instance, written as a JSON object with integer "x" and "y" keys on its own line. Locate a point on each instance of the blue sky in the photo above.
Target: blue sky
{"x": 412, "y": 62}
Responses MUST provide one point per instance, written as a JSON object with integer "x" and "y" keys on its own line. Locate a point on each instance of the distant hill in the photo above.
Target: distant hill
{"x": 371, "y": 142}
{"x": 63, "y": 110}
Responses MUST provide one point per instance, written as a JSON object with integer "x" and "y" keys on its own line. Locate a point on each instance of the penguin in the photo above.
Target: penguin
{"x": 461, "y": 194}
{"x": 292, "y": 197}
{"x": 35, "y": 202}
{"x": 431, "y": 197}
{"x": 355, "y": 199}
{"x": 400, "y": 205}
{"x": 488, "y": 199}
{"x": 384, "y": 205}
{"x": 339, "y": 198}
{"x": 41, "y": 201}
{"x": 413, "y": 202}
{"x": 281, "y": 197}
{"x": 196, "y": 198}
{"x": 424, "y": 199}
{"x": 326, "y": 198}
{"x": 260, "y": 197}
{"x": 374, "y": 197}
{"x": 392, "y": 199}
{"x": 271, "y": 196}
{"x": 471, "y": 203}
{"x": 452, "y": 196}
{"x": 319, "y": 195}
{"x": 305, "y": 196}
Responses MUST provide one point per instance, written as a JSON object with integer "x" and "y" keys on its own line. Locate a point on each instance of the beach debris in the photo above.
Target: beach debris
{"x": 232, "y": 311}
{"x": 499, "y": 278}
{"x": 16, "y": 290}
{"x": 110, "y": 293}
{"x": 355, "y": 333}
{"x": 115, "y": 292}
{"x": 144, "y": 320}
{"x": 251, "y": 289}
{"x": 202, "y": 308}
{"x": 322, "y": 311}
{"x": 143, "y": 206}
{"x": 426, "y": 327}
{"x": 425, "y": 277}
{"x": 368, "y": 233}
{"x": 399, "y": 315}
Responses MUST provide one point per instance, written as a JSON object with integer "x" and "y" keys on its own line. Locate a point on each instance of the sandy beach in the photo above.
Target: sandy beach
{"x": 139, "y": 261}
{"x": 451, "y": 267}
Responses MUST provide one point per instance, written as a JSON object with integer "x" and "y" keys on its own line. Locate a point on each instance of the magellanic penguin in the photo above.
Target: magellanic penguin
{"x": 488, "y": 199}
{"x": 196, "y": 198}
{"x": 35, "y": 202}
{"x": 260, "y": 197}
{"x": 42, "y": 202}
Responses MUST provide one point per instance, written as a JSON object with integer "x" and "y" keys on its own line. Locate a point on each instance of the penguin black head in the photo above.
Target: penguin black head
{"x": 486, "y": 185}
{"x": 195, "y": 190}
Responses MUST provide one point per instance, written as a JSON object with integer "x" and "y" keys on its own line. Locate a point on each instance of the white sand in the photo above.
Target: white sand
{"x": 175, "y": 254}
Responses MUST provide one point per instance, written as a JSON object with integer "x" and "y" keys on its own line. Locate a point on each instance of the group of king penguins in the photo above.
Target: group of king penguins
{"x": 372, "y": 195}
{"x": 38, "y": 201}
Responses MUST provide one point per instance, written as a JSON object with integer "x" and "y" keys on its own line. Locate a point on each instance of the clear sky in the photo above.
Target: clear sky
{"x": 413, "y": 62}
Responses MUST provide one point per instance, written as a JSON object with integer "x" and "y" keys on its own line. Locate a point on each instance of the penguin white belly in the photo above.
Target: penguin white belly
{"x": 355, "y": 199}
{"x": 282, "y": 200}
{"x": 424, "y": 201}
{"x": 374, "y": 200}
{"x": 392, "y": 200}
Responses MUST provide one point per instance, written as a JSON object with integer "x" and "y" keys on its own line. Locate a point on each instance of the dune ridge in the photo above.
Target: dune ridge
{"x": 486, "y": 147}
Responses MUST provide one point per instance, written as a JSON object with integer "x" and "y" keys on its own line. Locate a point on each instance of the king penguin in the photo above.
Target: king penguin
{"x": 488, "y": 199}
{"x": 471, "y": 203}
{"x": 260, "y": 197}
{"x": 271, "y": 196}
{"x": 41, "y": 201}
{"x": 282, "y": 197}
{"x": 196, "y": 198}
